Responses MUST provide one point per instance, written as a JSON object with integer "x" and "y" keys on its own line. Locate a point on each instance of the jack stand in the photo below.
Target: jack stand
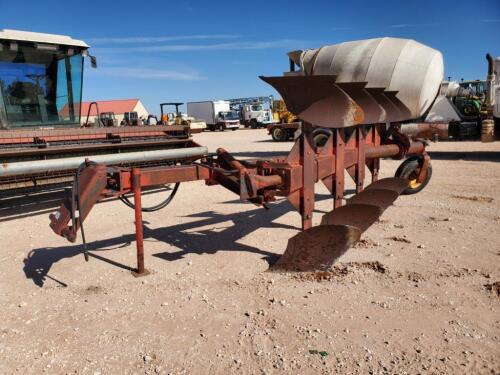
{"x": 136, "y": 184}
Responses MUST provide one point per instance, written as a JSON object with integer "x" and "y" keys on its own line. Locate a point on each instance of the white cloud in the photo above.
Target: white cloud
{"x": 401, "y": 25}
{"x": 146, "y": 73}
{"x": 284, "y": 43}
{"x": 158, "y": 39}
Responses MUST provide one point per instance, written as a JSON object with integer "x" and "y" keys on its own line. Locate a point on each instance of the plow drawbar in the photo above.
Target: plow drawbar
{"x": 293, "y": 176}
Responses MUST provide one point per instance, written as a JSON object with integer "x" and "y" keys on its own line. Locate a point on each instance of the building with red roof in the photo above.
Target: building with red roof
{"x": 118, "y": 107}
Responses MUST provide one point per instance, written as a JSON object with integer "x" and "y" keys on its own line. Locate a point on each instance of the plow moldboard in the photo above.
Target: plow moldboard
{"x": 361, "y": 216}
{"x": 317, "y": 248}
{"x": 396, "y": 184}
{"x": 375, "y": 197}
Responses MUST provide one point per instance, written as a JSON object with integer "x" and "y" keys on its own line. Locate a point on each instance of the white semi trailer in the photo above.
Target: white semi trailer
{"x": 217, "y": 114}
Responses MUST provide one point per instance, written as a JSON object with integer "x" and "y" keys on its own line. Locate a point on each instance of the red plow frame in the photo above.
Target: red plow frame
{"x": 260, "y": 181}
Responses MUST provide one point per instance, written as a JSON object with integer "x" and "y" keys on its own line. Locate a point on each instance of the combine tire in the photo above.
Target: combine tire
{"x": 279, "y": 134}
{"x": 409, "y": 169}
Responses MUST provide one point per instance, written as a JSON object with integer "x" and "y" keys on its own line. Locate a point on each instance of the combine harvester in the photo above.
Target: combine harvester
{"x": 41, "y": 140}
{"x": 361, "y": 91}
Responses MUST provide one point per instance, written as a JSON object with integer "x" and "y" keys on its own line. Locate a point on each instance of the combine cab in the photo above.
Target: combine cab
{"x": 41, "y": 140}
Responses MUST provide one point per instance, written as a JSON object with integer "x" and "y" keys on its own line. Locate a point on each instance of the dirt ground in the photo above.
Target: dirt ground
{"x": 419, "y": 294}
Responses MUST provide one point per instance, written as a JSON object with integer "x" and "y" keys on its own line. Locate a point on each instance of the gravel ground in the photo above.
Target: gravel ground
{"x": 419, "y": 294}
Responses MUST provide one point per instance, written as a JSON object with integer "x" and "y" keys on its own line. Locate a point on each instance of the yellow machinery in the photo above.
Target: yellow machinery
{"x": 281, "y": 114}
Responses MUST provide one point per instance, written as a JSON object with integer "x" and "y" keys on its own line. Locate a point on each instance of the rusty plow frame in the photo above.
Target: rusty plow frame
{"x": 347, "y": 151}
{"x": 363, "y": 126}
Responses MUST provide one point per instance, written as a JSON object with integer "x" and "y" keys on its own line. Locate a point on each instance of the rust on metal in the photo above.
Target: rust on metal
{"x": 92, "y": 185}
{"x": 317, "y": 248}
{"x": 358, "y": 215}
{"x": 376, "y": 197}
{"x": 258, "y": 182}
{"x": 392, "y": 113}
{"x": 136, "y": 186}
{"x": 395, "y": 184}
{"x": 373, "y": 112}
{"x": 318, "y": 100}
{"x": 404, "y": 112}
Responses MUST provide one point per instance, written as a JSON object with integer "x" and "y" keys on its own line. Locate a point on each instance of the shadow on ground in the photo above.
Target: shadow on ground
{"x": 435, "y": 155}
{"x": 208, "y": 234}
{"x": 38, "y": 262}
{"x": 468, "y": 156}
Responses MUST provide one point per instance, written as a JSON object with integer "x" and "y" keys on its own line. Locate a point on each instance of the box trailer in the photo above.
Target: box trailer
{"x": 217, "y": 114}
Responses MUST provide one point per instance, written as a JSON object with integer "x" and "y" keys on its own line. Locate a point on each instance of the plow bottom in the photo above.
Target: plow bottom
{"x": 319, "y": 247}
{"x": 259, "y": 182}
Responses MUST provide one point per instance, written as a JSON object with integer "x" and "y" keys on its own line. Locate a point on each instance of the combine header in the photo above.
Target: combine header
{"x": 361, "y": 91}
{"x": 41, "y": 140}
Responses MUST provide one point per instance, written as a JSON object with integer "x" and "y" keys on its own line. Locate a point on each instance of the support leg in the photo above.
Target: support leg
{"x": 376, "y": 162}
{"x": 307, "y": 193}
{"x": 136, "y": 185}
{"x": 339, "y": 167}
{"x": 360, "y": 165}
{"x": 376, "y": 168}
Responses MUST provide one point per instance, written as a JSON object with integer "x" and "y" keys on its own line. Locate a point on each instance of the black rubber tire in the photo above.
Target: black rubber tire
{"x": 254, "y": 124}
{"x": 409, "y": 170}
{"x": 320, "y": 136}
{"x": 154, "y": 208}
{"x": 279, "y": 134}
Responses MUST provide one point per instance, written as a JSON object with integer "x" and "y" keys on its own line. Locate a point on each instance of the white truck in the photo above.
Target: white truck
{"x": 217, "y": 114}
{"x": 255, "y": 115}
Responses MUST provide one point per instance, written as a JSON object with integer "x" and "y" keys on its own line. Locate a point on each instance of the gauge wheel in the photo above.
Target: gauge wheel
{"x": 279, "y": 134}
{"x": 410, "y": 169}
{"x": 320, "y": 136}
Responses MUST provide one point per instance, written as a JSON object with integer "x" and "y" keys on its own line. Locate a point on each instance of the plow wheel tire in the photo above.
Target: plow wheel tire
{"x": 320, "y": 136}
{"x": 410, "y": 169}
{"x": 279, "y": 134}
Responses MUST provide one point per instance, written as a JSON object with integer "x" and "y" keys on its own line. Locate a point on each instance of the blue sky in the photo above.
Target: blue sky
{"x": 197, "y": 50}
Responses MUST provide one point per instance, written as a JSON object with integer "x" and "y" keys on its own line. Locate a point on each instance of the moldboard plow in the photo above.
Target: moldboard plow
{"x": 362, "y": 115}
